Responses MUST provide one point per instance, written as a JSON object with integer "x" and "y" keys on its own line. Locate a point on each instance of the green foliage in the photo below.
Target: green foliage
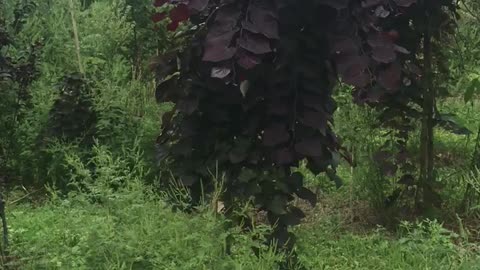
{"x": 122, "y": 106}
{"x": 426, "y": 245}
{"x": 122, "y": 224}
{"x": 464, "y": 52}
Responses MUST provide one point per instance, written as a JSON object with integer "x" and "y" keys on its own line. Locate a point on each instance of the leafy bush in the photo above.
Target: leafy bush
{"x": 122, "y": 106}
{"x": 120, "y": 223}
{"x": 425, "y": 245}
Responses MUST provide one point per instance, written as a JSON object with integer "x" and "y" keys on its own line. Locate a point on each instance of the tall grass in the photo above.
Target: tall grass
{"x": 112, "y": 220}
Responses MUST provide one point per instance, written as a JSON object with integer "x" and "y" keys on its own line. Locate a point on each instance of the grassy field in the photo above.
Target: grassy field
{"x": 133, "y": 229}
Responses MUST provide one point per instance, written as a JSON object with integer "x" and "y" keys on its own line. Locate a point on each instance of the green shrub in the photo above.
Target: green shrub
{"x": 125, "y": 106}
{"x": 426, "y": 245}
{"x": 120, "y": 223}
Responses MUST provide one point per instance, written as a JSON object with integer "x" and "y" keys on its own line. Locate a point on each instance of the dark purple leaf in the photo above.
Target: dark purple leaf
{"x": 388, "y": 168}
{"x": 383, "y": 49}
{"x": 306, "y": 194}
{"x": 390, "y": 77}
{"x": 179, "y": 13}
{"x": 352, "y": 69}
{"x": 187, "y": 106}
{"x": 371, "y": 3}
{"x": 385, "y": 54}
{"x": 183, "y": 148}
{"x": 372, "y": 94}
{"x": 261, "y": 21}
{"x": 247, "y": 60}
{"x": 172, "y": 26}
{"x": 351, "y": 64}
{"x": 293, "y": 217}
{"x": 312, "y": 101}
{"x": 385, "y": 163}
{"x": 379, "y": 40}
{"x": 188, "y": 128}
{"x": 318, "y": 165}
{"x": 218, "y": 42}
{"x": 317, "y": 120}
{"x": 312, "y": 147}
{"x": 295, "y": 181}
{"x": 405, "y": 3}
{"x": 361, "y": 79}
{"x": 278, "y": 107}
{"x": 284, "y": 156}
{"x": 254, "y": 43}
{"x": 278, "y": 205}
{"x": 275, "y": 134}
{"x": 343, "y": 45}
{"x": 336, "y": 4}
{"x": 198, "y": 5}
{"x": 159, "y": 3}
{"x": 217, "y": 115}
{"x": 159, "y": 17}
{"x": 252, "y": 126}
{"x": 226, "y": 20}
{"x": 218, "y": 48}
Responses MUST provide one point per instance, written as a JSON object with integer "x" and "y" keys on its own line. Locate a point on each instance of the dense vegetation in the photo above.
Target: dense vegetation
{"x": 189, "y": 134}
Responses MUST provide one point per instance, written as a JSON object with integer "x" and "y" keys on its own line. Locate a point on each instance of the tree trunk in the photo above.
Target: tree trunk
{"x": 427, "y": 178}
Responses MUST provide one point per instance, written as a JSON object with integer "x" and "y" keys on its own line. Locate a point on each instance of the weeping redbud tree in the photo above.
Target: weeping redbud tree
{"x": 253, "y": 88}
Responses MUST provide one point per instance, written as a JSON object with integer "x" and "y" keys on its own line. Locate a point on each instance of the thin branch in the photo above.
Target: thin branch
{"x": 76, "y": 38}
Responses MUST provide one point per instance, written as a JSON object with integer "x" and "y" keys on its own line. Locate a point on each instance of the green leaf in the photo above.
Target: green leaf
{"x": 472, "y": 89}
{"x": 449, "y": 123}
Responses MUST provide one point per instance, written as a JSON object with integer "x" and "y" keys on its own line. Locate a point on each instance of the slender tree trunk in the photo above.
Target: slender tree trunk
{"x": 136, "y": 48}
{"x": 76, "y": 38}
{"x": 4, "y": 247}
{"x": 469, "y": 195}
{"x": 426, "y": 148}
